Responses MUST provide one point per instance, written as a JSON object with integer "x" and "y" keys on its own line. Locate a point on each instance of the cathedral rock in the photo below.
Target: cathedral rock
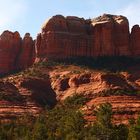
{"x": 66, "y": 37}
{"x": 107, "y": 35}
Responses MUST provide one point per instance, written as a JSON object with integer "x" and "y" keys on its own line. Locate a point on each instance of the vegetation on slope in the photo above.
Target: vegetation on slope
{"x": 66, "y": 122}
{"x": 107, "y": 63}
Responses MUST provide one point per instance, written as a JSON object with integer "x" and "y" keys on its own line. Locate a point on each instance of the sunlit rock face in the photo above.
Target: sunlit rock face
{"x": 15, "y": 52}
{"x": 66, "y": 37}
{"x": 27, "y": 52}
{"x": 110, "y": 36}
{"x": 63, "y": 38}
{"x": 10, "y": 45}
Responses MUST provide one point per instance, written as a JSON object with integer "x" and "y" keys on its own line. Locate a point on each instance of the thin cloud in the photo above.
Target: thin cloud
{"x": 132, "y": 12}
{"x": 11, "y": 13}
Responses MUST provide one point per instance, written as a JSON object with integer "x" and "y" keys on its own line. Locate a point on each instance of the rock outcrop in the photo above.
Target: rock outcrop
{"x": 27, "y": 52}
{"x": 107, "y": 35}
{"x": 119, "y": 89}
{"x": 135, "y": 40}
{"x": 27, "y": 92}
{"x": 68, "y": 37}
{"x": 15, "y": 53}
{"x": 110, "y": 36}
{"x": 42, "y": 90}
{"x": 10, "y": 45}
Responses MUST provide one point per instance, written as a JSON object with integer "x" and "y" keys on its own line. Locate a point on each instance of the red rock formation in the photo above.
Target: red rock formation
{"x": 135, "y": 40}
{"x": 110, "y": 36}
{"x": 27, "y": 52}
{"x": 10, "y": 44}
{"x": 79, "y": 79}
{"x": 42, "y": 90}
{"x": 15, "y": 53}
{"x": 61, "y": 37}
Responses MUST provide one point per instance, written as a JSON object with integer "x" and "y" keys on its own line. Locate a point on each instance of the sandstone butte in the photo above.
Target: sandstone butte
{"x": 107, "y": 35}
{"x": 65, "y": 37}
{"x": 15, "y": 53}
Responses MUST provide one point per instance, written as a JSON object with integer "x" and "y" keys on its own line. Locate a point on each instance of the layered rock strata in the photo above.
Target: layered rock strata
{"x": 15, "y": 53}
{"x": 107, "y": 35}
{"x": 67, "y": 37}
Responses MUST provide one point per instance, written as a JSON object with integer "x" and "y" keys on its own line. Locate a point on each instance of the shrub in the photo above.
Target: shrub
{"x": 76, "y": 100}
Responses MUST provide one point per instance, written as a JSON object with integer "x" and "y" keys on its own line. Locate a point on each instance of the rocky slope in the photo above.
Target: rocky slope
{"x": 44, "y": 85}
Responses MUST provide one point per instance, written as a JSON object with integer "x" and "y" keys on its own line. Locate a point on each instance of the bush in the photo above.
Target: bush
{"x": 66, "y": 123}
{"x": 107, "y": 63}
{"x": 76, "y": 100}
{"x": 118, "y": 92}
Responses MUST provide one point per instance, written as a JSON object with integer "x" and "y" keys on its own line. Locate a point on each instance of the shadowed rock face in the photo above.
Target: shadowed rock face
{"x": 15, "y": 53}
{"x": 107, "y": 35}
{"x": 42, "y": 91}
{"x": 135, "y": 40}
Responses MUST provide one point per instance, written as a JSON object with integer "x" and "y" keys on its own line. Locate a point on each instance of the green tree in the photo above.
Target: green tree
{"x": 103, "y": 129}
{"x": 134, "y": 129}
{"x": 40, "y": 129}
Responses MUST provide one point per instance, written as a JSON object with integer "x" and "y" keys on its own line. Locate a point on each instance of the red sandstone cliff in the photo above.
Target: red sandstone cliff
{"x": 15, "y": 53}
{"x": 135, "y": 40}
{"x": 27, "y": 52}
{"x": 107, "y": 35}
{"x": 61, "y": 38}
{"x": 10, "y": 45}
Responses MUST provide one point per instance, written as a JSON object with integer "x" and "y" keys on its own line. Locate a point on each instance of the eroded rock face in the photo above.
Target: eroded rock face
{"x": 110, "y": 36}
{"x": 62, "y": 38}
{"x": 10, "y": 45}
{"x": 9, "y": 92}
{"x": 15, "y": 53}
{"x": 135, "y": 40}
{"x": 27, "y": 52}
{"x": 68, "y": 37}
{"x": 91, "y": 84}
{"x": 42, "y": 91}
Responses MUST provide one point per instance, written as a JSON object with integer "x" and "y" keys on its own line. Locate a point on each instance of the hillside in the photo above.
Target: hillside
{"x": 49, "y": 83}
{"x": 78, "y": 80}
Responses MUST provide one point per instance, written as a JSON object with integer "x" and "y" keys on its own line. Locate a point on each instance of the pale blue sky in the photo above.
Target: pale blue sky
{"x": 29, "y": 15}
